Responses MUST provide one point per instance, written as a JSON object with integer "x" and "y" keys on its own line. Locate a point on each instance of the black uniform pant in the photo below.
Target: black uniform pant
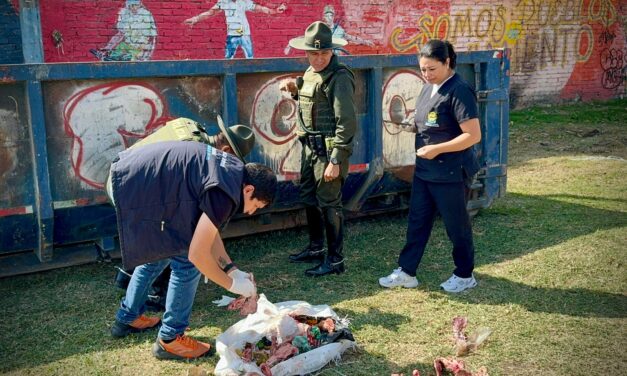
{"x": 323, "y": 203}
{"x": 314, "y": 191}
{"x": 427, "y": 199}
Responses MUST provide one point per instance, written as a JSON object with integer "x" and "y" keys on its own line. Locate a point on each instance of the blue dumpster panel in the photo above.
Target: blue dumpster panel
{"x": 15, "y": 152}
{"x": 89, "y": 122}
{"x": 17, "y": 229}
{"x": 63, "y": 124}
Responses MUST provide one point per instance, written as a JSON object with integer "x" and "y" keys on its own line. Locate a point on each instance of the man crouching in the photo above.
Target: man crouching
{"x": 171, "y": 200}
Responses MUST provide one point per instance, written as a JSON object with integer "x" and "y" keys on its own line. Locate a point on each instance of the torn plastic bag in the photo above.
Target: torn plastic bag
{"x": 267, "y": 321}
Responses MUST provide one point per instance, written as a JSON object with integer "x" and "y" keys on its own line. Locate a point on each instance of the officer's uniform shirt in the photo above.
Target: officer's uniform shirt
{"x": 326, "y": 104}
{"x": 439, "y": 111}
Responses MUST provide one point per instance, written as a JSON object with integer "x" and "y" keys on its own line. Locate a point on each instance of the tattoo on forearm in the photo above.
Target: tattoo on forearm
{"x": 222, "y": 262}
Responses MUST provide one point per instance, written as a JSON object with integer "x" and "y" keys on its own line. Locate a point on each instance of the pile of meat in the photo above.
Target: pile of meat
{"x": 304, "y": 333}
{"x": 244, "y": 305}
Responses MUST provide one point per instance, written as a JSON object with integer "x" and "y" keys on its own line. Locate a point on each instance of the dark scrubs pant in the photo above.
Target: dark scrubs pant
{"x": 427, "y": 199}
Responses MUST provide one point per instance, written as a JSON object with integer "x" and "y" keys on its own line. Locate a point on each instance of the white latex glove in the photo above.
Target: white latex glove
{"x": 224, "y": 301}
{"x": 243, "y": 286}
{"x": 236, "y": 273}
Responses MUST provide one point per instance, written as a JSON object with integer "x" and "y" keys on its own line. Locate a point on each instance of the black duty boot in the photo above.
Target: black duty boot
{"x": 334, "y": 262}
{"x": 315, "y": 251}
{"x": 328, "y": 266}
{"x": 312, "y": 253}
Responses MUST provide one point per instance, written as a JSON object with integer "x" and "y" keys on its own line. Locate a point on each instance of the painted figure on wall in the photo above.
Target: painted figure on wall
{"x": 136, "y": 36}
{"x": 237, "y": 27}
{"x": 328, "y": 17}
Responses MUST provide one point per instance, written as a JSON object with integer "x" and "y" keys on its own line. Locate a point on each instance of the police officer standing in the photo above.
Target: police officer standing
{"x": 326, "y": 127}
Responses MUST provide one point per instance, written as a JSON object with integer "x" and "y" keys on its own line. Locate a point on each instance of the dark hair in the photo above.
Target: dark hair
{"x": 263, "y": 179}
{"x": 219, "y": 140}
{"x": 439, "y": 50}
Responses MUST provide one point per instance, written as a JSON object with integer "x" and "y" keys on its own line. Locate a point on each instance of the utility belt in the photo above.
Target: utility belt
{"x": 321, "y": 145}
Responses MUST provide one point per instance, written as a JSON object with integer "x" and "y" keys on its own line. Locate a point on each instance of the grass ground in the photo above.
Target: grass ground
{"x": 550, "y": 265}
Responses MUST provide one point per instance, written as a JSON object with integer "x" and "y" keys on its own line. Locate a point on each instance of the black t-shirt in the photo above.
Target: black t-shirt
{"x": 437, "y": 118}
{"x": 217, "y": 205}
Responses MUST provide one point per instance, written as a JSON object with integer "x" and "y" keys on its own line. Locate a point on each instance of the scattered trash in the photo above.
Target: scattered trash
{"x": 288, "y": 338}
{"x": 464, "y": 344}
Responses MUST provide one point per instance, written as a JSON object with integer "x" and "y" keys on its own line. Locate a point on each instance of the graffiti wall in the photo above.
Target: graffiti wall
{"x": 561, "y": 49}
{"x": 92, "y": 121}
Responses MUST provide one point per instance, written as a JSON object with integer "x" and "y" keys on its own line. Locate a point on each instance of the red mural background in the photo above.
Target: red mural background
{"x": 561, "y": 49}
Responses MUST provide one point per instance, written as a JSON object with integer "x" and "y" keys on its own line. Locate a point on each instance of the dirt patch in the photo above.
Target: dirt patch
{"x": 605, "y": 140}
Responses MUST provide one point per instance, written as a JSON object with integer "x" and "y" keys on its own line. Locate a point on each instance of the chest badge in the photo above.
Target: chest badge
{"x": 432, "y": 119}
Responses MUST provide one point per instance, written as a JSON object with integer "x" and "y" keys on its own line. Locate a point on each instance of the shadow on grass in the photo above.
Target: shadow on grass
{"x": 359, "y": 362}
{"x": 522, "y": 224}
{"x": 518, "y": 225}
{"x": 570, "y": 302}
{"x": 59, "y": 314}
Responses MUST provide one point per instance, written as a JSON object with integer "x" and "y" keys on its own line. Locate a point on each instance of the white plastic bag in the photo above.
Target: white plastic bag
{"x": 269, "y": 319}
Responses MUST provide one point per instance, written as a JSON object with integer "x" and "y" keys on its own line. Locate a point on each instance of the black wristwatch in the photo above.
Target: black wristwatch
{"x": 334, "y": 161}
{"x": 227, "y": 268}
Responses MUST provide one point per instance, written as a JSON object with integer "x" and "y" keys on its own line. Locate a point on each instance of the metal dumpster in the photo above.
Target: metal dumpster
{"x": 62, "y": 124}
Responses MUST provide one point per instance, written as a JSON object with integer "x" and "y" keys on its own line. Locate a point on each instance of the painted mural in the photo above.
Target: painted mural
{"x": 93, "y": 121}
{"x": 135, "y": 37}
{"x": 273, "y": 118}
{"x": 399, "y": 102}
{"x": 329, "y": 17}
{"x": 238, "y": 35}
{"x": 103, "y": 120}
{"x": 557, "y": 46}
{"x": 561, "y": 49}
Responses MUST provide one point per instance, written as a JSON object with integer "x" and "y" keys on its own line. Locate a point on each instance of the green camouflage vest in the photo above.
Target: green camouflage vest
{"x": 316, "y": 111}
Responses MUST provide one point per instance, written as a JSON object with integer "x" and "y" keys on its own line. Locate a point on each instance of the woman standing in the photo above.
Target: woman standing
{"x": 446, "y": 125}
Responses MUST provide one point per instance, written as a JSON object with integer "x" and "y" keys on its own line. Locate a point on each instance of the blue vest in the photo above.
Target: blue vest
{"x": 160, "y": 191}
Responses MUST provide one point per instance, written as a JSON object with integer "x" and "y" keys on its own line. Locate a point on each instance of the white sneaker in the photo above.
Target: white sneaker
{"x": 398, "y": 278}
{"x": 457, "y": 284}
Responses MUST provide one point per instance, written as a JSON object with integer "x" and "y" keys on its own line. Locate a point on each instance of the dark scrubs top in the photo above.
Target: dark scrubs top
{"x": 437, "y": 120}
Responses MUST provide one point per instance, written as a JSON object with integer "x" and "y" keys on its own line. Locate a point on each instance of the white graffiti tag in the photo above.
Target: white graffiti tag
{"x": 399, "y": 100}
{"x": 273, "y": 118}
{"x": 103, "y": 120}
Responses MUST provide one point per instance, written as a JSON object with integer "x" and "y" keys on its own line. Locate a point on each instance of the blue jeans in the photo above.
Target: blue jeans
{"x": 179, "y": 299}
{"x": 233, "y": 41}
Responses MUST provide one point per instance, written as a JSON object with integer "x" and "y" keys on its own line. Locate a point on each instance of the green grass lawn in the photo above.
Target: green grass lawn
{"x": 550, "y": 263}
